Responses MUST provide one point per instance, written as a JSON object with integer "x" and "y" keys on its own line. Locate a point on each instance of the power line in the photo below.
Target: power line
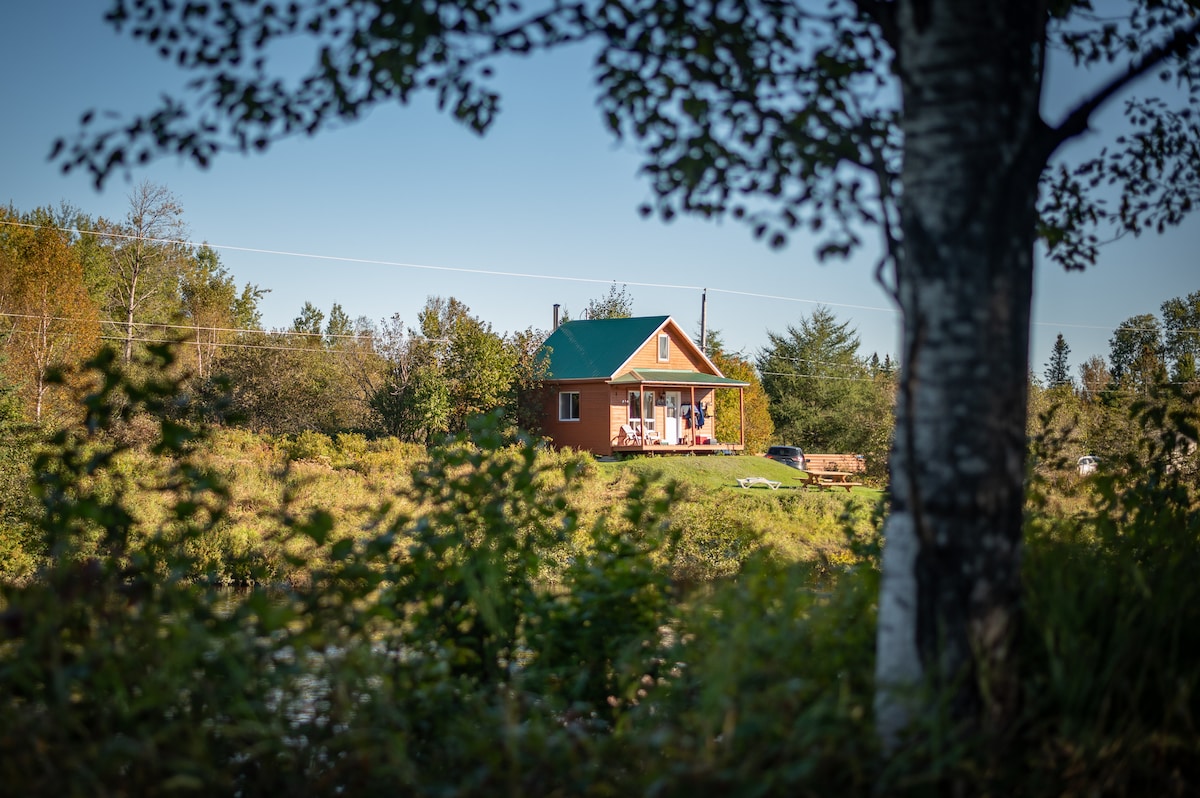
{"x": 512, "y": 274}
{"x": 454, "y": 269}
{"x": 359, "y": 336}
{"x": 814, "y": 376}
{"x": 225, "y": 345}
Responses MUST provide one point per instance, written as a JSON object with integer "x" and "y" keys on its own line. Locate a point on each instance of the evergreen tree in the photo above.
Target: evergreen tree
{"x": 308, "y": 323}
{"x": 1058, "y": 370}
{"x": 819, "y": 388}
{"x": 339, "y": 327}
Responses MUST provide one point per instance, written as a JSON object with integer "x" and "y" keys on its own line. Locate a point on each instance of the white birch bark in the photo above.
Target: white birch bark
{"x": 948, "y": 605}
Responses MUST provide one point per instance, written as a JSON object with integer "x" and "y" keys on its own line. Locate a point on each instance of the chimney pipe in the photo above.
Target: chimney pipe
{"x": 555, "y": 327}
{"x": 704, "y": 322}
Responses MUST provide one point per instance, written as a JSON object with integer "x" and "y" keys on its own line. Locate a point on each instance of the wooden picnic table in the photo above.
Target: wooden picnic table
{"x": 829, "y": 479}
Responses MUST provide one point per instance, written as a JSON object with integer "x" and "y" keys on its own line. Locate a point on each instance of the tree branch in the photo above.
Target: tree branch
{"x": 883, "y": 14}
{"x": 1076, "y": 122}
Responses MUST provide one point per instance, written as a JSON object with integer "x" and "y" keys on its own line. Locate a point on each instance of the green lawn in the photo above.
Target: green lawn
{"x": 713, "y": 472}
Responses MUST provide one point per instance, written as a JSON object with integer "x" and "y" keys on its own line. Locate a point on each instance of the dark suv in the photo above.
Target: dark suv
{"x": 788, "y": 455}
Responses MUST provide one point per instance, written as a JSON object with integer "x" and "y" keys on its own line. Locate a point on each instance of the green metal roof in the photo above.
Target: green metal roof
{"x": 675, "y": 377}
{"x": 596, "y": 348}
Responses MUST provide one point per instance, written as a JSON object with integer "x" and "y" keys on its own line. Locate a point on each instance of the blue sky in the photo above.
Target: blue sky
{"x": 350, "y": 215}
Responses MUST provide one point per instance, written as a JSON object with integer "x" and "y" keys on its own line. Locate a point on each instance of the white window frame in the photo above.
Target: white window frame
{"x": 561, "y": 396}
{"x": 664, "y": 347}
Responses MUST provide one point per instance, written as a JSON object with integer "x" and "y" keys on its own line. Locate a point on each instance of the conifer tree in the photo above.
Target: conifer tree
{"x": 1058, "y": 370}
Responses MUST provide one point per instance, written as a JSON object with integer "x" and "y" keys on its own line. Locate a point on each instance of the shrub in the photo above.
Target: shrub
{"x": 311, "y": 446}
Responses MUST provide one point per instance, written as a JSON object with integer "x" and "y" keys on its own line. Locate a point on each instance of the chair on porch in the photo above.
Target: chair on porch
{"x": 645, "y": 436}
{"x": 628, "y": 435}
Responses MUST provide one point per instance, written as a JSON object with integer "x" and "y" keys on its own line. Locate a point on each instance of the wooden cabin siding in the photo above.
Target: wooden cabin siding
{"x": 680, "y": 356}
{"x": 594, "y": 430}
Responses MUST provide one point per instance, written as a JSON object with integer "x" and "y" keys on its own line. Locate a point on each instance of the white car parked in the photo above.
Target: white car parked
{"x": 1088, "y": 464}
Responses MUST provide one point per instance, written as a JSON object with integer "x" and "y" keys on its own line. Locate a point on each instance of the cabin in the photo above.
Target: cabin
{"x": 636, "y": 385}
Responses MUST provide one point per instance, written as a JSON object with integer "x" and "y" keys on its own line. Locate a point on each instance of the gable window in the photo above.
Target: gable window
{"x": 568, "y": 406}
{"x": 664, "y": 348}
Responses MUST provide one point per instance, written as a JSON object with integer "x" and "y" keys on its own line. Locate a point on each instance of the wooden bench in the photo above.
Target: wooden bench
{"x": 825, "y": 480}
{"x": 746, "y": 482}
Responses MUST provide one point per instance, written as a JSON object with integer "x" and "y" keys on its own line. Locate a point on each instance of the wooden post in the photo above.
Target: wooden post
{"x": 692, "y": 414}
{"x": 742, "y": 417}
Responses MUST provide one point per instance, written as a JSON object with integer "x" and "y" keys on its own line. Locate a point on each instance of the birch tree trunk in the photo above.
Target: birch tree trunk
{"x": 949, "y": 604}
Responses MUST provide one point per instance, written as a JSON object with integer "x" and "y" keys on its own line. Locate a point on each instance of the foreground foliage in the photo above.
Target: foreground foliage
{"x": 466, "y": 647}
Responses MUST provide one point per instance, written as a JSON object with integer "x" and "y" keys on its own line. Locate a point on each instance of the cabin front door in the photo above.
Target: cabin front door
{"x": 671, "y": 429}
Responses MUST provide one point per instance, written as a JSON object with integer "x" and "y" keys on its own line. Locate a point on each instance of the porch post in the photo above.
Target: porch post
{"x": 692, "y": 414}
{"x": 742, "y": 417}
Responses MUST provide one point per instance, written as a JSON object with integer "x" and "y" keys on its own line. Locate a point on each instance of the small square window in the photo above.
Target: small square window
{"x": 568, "y": 406}
{"x": 664, "y": 348}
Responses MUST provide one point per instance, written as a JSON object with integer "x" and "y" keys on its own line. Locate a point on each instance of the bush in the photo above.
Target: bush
{"x": 311, "y": 446}
{"x": 19, "y": 544}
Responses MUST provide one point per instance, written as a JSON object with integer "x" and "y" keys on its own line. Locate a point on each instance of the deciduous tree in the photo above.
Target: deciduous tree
{"x": 1181, "y": 335}
{"x": 1094, "y": 378}
{"x": 616, "y": 304}
{"x": 756, "y": 406}
{"x": 48, "y": 323}
{"x": 413, "y": 401}
{"x": 1136, "y": 352}
{"x": 146, "y": 257}
{"x": 530, "y": 367}
{"x": 212, "y": 306}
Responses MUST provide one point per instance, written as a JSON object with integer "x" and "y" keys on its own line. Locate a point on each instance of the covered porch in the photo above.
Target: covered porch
{"x": 672, "y": 412}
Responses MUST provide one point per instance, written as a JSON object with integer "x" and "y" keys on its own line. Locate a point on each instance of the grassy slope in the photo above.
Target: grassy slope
{"x": 712, "y": 473}
{"x": 723, "y": 523}
{"x": 720, "y": 524}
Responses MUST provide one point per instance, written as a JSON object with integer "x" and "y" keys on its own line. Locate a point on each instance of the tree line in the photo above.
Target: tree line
{"x": 72, "y": 283}
{"x": 1149, "y": 356}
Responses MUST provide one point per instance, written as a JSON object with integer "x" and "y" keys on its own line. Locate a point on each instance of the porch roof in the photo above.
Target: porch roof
{"x": 676, "y": 377}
